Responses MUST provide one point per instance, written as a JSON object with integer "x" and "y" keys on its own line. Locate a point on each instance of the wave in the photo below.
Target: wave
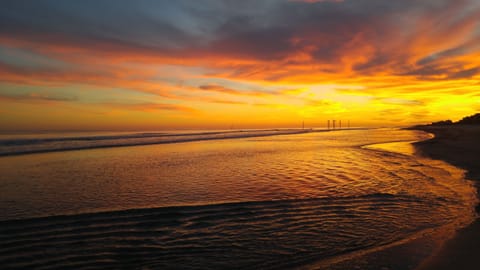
{"x": 54, "y": 144}
{"x": 268, "y": 234}
{"x": 308, "y": 200}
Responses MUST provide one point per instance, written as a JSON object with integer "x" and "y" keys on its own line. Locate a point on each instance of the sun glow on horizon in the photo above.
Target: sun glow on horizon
{"x": 248, "y": 65}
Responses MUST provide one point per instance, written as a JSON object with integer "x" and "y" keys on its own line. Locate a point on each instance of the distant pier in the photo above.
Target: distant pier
{"x": 333, "y": 125}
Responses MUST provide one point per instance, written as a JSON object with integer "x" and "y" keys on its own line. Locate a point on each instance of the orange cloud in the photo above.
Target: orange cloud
{"x": 398, "y": 59}
{"x": 149, "y": 107}
{"x": 221, "y": 89}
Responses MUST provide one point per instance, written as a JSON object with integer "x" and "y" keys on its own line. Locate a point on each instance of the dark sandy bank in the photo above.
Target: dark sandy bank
{"x": 459, "y": 145}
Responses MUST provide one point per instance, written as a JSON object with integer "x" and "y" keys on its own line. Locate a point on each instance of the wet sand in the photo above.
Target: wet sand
{"x": 458, "y": 145}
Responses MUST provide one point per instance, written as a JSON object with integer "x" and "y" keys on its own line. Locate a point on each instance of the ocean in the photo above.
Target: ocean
{"x": 341, "y": 199}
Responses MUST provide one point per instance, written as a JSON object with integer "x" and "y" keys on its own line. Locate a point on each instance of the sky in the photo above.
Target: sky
{"x": 220, "y": 64}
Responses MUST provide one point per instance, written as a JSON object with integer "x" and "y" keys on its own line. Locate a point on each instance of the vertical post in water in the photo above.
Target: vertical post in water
{"x": 340, "y": 124}
{"x": 328, "y": 124}
{"x": 333, "y": 124}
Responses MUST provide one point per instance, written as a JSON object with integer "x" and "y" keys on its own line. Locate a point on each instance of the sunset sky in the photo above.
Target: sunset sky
{"x": 153, "y": 65}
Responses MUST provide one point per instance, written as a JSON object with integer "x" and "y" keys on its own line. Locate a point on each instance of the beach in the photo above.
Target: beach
{"x": 458, "y": 145}
{"x": 314, "y": 200}
{"x": 247, "y": 134}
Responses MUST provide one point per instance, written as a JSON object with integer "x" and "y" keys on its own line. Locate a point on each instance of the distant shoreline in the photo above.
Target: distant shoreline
{"x": 458, "y": 145}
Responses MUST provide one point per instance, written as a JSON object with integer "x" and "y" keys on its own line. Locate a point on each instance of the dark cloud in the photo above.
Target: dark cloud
{"x": 36, "y": 97}
{"x": 465, "y": 73}
{"x": 124, "y": 22}
{"x": 218, "y": 88}
{"x": 359, "y": 33}
{"x": 438, "y": 56}
{"x": 148, "y": 107}
{"x": 453, "y": 71}
{"x": 400, "y": 101}
{"x": 166, "y": 24}
{"x": 222, "y": 89}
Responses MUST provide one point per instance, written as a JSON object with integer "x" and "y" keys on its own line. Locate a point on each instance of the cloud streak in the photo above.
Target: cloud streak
{"x": 148, "y": 107}
{"x": 389, "y": 50}
{"x": 357, "y": 38}
{"x": 36, "y": 97}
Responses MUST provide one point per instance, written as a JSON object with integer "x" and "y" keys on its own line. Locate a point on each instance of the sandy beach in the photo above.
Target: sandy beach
{"x": 458, "y": 145}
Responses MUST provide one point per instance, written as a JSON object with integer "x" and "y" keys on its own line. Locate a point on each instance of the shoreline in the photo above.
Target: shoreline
{"x": 457, "y": 145}
{"x": 401, "y": 253}
{"x": 152, "y": 139}
{"x": 149, "y": 139}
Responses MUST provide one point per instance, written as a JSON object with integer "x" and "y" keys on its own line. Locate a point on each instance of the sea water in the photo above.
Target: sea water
{"x": 313, "y": 200}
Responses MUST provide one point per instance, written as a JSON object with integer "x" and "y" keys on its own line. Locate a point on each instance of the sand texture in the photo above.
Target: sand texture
{"x": 460, "y": 146}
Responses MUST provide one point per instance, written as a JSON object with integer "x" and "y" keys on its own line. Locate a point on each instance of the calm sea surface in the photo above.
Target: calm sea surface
{"x": 313, "y": 200}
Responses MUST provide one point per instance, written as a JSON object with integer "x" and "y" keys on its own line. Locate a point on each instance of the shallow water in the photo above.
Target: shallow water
{"x": 268, "y": 202}
{"x": 17, "y": 144}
